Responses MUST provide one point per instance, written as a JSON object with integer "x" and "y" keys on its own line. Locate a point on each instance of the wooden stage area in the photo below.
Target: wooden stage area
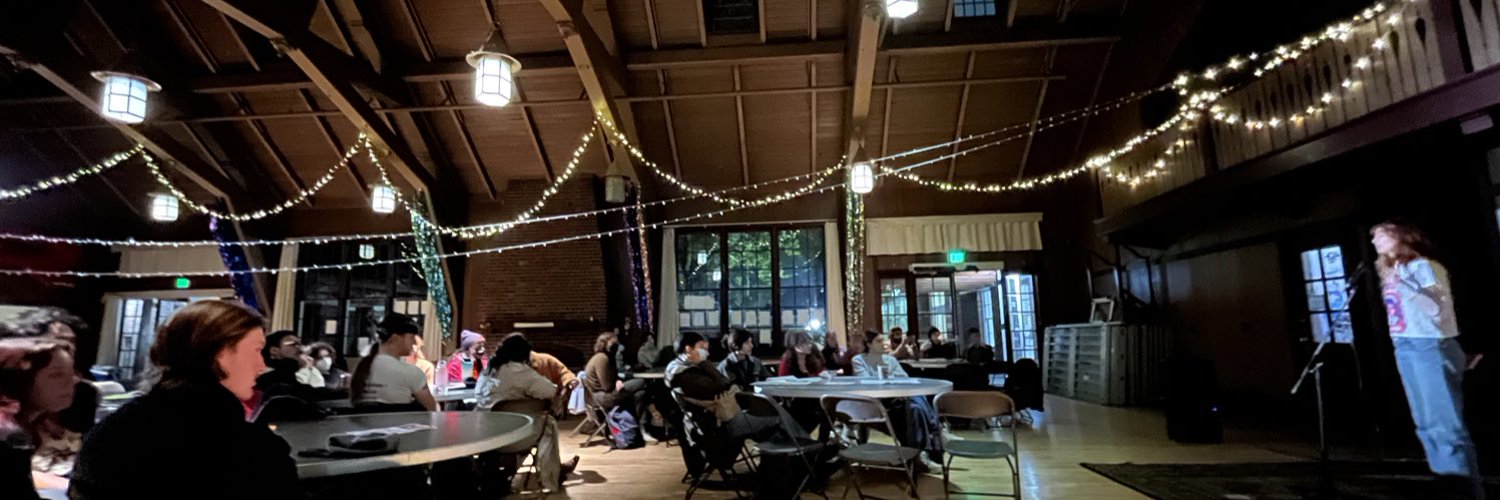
{"x": 1068, "y": 434}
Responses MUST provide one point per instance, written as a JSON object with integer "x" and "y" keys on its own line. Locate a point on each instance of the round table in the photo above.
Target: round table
{"x": 455, "y": 434}
{"x": 650, "y": 375}
{"x": 861, "y": 386}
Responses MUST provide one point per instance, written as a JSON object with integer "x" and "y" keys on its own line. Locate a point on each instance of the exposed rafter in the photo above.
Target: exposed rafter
{"x": 599, "y": 69}
{"x": 963, "y": 108}
{"x": 414, "y": 22}
{"x": 859, "y": 61}
{"x": 338, "y": 147}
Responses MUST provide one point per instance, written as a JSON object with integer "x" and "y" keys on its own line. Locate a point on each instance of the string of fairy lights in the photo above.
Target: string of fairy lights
{"x": 1200, "y": 104}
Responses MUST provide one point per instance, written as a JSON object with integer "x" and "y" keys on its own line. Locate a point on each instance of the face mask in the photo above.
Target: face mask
{"x": 703, "y": 354}
{"x": 324, "y": 364}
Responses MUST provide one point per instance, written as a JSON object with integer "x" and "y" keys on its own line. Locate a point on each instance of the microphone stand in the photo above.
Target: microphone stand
{"x": 1314, "y": 368}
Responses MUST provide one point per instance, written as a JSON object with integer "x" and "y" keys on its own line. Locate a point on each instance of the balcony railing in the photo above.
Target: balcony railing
{"x": 1330, "y": 77}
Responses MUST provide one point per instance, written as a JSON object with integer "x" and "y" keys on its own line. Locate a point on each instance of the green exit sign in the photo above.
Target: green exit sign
{"x": 182, "y": 282}
{"x": 957, "y": 256}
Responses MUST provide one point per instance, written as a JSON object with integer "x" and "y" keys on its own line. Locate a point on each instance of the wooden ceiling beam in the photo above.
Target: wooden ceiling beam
{"x": 419, "y": 31}
{"x": 866, "y": 21}
{"x": 666, "y": 109}
{"x": 739, "y": 123}
{"x": 600, "y": 69}
{"x": 963, "y": 108}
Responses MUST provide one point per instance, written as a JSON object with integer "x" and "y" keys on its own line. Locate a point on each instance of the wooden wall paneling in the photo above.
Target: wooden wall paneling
{"x": 1330, "y": 71}
{"x": 1430, "y": 49}
{"x": 1377, "y": 87}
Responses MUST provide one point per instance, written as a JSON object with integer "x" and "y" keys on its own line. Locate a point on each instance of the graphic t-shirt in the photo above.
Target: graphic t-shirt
{"x": 1407, "y": 303}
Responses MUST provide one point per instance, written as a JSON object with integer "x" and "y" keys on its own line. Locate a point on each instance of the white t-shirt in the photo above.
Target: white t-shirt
{"x": 1407, "y": 301}
{"x": 391, "y": 382}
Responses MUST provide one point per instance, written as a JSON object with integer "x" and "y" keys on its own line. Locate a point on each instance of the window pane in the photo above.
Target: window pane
{"x": 1311, "y": 270}
{"x": 1320, "y": 327}
{"x": 1333, "y": 262}
{"x": 1316, "y": 297}
{"x": 750, "y": 281}
{"x": 803, "y": 277}
{"x": 1343, "y": 328}
{"x": 1337, "y": 299}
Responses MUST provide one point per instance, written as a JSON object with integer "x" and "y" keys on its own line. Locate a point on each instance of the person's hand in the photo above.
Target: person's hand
{"x": 1474, "y": 360}
{"x": 573, "y": 384}
{"x": 619, "y": 384}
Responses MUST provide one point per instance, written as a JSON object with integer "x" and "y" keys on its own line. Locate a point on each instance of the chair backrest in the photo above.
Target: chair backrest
{"x": 974, "y": 404}
{"x": 858, "y": 410}
{"x": 109, "y": 388}
{"x": 761, "y": 405}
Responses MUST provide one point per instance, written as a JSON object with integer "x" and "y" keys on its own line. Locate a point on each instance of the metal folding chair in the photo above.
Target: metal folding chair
{"x": 980, "y": 405}
{"x": 851, "y": 410}
{"x": 761, "y": 405}
{"x": 538, "y": 410}
{"x": 707, "y": 438}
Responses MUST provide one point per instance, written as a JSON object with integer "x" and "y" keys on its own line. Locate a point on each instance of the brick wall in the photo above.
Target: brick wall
{"x": 562, "y": 283}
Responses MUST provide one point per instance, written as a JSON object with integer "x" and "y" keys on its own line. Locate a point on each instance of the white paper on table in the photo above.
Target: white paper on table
{"x": 904, "y": 381}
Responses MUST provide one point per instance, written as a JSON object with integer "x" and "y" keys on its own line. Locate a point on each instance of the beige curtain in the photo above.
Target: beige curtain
{"x": 833, "y": 263}
{"x": 975, "y": 233}
{"x": 667, "y": 322}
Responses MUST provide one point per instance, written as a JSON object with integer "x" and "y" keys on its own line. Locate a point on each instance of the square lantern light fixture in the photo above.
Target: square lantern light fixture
{"x": 900, "y": 9}
{"x": 494, "y": 71}
{"x": 164, "y": 208}
{"x": 862, "y": 177}
{"x": 124, "y": 97}
{"x": 383, "y": 199}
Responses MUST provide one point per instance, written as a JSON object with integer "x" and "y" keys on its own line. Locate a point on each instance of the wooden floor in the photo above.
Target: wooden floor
{"x": 1068, "y": 434}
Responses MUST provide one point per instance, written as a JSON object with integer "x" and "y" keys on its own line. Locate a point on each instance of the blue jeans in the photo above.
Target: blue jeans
{"x": 1432, "y": 371}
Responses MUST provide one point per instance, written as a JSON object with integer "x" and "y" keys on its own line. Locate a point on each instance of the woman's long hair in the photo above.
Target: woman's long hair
{"x": 1411, "y": 244}
{"x": 21, "y": 359}
{"x": 187, "y": 346}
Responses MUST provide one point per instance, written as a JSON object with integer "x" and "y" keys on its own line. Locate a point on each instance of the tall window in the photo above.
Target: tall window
{"x": 935, "y": 305}
{"x": 130, "y": 335}
{"x": 893, "y": 304}
{"x": 1020, "y": 300}
{"x": 765, "y": 281}
{"x": 973, "y": 8}
{"x": 139, "y": 318}
{"x": 1327, "y": 299}
{"x": 342, "y": 306}
{"x": 987, "y": 315}
{"x": 750, "y": 281}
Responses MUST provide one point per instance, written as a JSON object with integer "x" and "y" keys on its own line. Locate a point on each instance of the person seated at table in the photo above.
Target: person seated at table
{"x": 187, "y": 438}
{"x": 903, "y": 347}
{"x": 511, "y": 377}
{"x": 465, "y": 365}
{"x": 865, "y": 364}
{"x": 702, "y": 384}
{"x": 329, "y": 363}
{"x": 382, "y": 379}
{"x": 55, "y": 455}
{"x": 284, "y": 353}
{"x": 937, "y": 346}
{"x": 603, "y": 380}
{"x": 740, "y": 367}
{"x": 914, "y": 419}
{"x": 801, "y": 358}
{"x": 549, "y": 366}
{"x": 36, "y": 386}
{"x": 978, "y": 351}
{"x": 646, "y": 356}
{"x": 833, "y": 354}
{"x": 418, "y": 358}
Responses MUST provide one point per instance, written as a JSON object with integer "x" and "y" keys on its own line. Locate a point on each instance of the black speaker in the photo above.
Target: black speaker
{"x": 1192, "y": 409}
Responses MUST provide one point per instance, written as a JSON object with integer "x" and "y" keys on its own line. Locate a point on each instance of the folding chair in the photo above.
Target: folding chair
{"x": 852, "y": 410}
{"x": 595, "y": 415}
{"x": 537, "y": 410}
{"x": 982, "y": 405}
{"x": 761, "y": 405}
{"x": 705, "y": 437}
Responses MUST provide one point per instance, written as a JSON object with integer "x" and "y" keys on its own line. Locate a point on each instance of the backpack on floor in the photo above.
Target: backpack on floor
{"x": 624, "y": 430}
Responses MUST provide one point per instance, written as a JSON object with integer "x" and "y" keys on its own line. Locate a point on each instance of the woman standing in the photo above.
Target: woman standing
{"x": 192, "y": 423}
{"x": 36, "y": 385}
{"x": 1419, "y": 312}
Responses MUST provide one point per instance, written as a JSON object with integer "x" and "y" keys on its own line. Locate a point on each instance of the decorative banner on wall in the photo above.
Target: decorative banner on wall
{"x": 426, "y": 237}
{"x": 234, "y": 260}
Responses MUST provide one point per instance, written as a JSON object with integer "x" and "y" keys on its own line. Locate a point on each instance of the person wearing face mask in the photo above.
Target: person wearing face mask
{"x": 468, "y": 363}
{"x": 701, "y": 384}
{"x": 740, "y": 367}
{"x": 327, "y": 361}
{"x": 602, "y": 378}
